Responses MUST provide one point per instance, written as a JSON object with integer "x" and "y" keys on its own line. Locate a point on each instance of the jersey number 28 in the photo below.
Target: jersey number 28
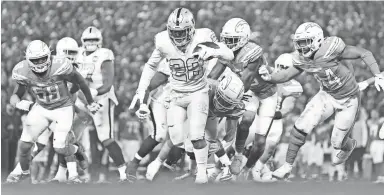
{"x": 186, "y": 71}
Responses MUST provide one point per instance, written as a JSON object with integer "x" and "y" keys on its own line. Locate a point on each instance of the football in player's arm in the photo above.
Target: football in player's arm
{"x": 349, "y": 52}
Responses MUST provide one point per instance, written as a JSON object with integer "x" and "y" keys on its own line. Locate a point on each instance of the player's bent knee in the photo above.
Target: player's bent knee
{"x": 247, "y": 120}
{"x": 25, "y": 148}
{"x": 298, "y": 137}
{"x": 199, "y": 144}
{"x": 107, "y": 142}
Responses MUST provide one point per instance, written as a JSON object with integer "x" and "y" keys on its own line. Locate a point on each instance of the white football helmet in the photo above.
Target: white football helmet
{"x": 181, "y": 26}
{"x": 235, "y": 33}
{"x": 284, "y": 61}
{"x": 229, "y": 92}
{"x": 67, "y": 47}
{"x": 308, "y": 38}
{"x": 91, "y": 39}
{"x": 38, "y": 56}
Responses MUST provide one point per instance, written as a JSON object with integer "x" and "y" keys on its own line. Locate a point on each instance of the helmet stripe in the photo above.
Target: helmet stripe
{"x": 177, "y": 16}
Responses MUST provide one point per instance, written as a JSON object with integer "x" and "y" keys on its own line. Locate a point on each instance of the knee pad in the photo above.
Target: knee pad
{"x": 66, "y": 151}
{"x": 199, "y": 144}
{"x": 191, "y": 155}
{"x": 297, "y": 137}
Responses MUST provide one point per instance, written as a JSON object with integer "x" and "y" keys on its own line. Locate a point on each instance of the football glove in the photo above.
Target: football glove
{"x": 379, "y": 82}
{"x": 264, "y": 73}
{"x": 94, "y": 107}
{"x": 24, "y": 105}
{"x": 138, "y": 96}
{"x": 143, "y": 112}
{"x": 363, "y": 85}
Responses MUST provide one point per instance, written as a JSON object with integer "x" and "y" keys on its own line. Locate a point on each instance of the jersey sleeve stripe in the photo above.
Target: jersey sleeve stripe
{"x": 18, "y": 77}
{"x": 64, "y": 69}
{"x": 254, "y": 54}
{"x": 335, "y": 44}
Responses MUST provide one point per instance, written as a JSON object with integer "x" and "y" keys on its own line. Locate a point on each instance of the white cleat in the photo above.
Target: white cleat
{"x": 342, "y": 156}
{"x": 282, "y": 172}
{"x": 201, "y": 178}
{"x": 226, "y": 174}
{"x": 256, "y": 175}
{"x": 152, "y": 169}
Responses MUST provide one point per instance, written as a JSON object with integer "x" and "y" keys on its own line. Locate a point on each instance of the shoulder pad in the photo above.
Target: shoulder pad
{"x": 334, "y": 46}
{"x": 252, "y": 52}
{"x": 207, "y": 33}
{"x": 107, "y": 54}
{"x": 160, "y": 37}
{"x": 19, "y": 72}
{"x": 61, "y": 66}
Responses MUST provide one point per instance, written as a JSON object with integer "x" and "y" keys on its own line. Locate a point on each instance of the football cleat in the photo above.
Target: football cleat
{"x": 152, "y": 169}
{"x": 282, "y": 172}
{"x": 201, "y": 177}
{"x": 16, "y": 178}
{"x": 184, "y": 176}
{"x": 342, "y": 156}
{"x": 235, "y": 167}
{"x": 226, "y": 174}
{"x": 131, "y": 171}
{"x": 75, "y": 180}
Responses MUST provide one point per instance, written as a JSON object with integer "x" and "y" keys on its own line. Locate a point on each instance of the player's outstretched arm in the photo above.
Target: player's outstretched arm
{"x": 352, "y": 52}
{"x": 108, "y": 73}
{"x": 76, "y": 78}
{"x": 158, "y": 79}
{"x": 281, "y": 76}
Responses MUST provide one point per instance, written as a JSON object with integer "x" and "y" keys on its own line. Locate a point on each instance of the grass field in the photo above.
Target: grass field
{"x": 163, "y": 186}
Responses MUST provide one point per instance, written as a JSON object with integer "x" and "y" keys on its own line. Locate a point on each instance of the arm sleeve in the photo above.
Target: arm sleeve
{"x": 149, "y": 69}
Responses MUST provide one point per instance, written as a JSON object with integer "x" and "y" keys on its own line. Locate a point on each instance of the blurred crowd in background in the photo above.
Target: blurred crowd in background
{"x": 129, "y": 27}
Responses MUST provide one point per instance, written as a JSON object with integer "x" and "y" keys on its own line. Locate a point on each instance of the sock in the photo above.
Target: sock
{"x": 25, "y": 156}
{"x": 61, "y": 173}
{"x": 174, "y": 155}
{"x": 348, "y": 145}
{"x": 241, "y": 138}
{"x": 61, "y": 160}
{"x": 225, "y": 160}
{"x": 259, "y": 165}
{"x": 122, "y": 172}
{"x": 163, "y": 154}
{"x": 256, "y": 151}
{"x": 17, "y": 169}
{"x": 297, "y": 139}
{"x": 72, "y": 169}
{"x": 201, "y": 159}
{"x": 146, "y": 147}
{"x": 115, "y": 153}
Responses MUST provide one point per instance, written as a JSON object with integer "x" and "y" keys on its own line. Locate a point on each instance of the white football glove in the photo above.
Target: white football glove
{"x": 264, "y": 73}
{"x": 93, "y": 92}
{"x": 138, "y": 96}
{"x": 379, "y": 82}
{"x": 363, "y": 85}
{"x": 143, "y": 112}
{"x": 24, "y": 105}
{"x": 94, "y": 107}
{"x": 205, "y": 53}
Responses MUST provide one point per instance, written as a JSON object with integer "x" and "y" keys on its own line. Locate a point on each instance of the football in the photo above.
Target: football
{"x": 208, "y": 44}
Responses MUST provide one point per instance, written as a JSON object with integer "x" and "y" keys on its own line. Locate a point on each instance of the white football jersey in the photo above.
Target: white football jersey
{"x": 187, "y": 75}
{"x": 158, "y": 94}
{"x": 289, "y": 88}
{"x": 90, "y": 69}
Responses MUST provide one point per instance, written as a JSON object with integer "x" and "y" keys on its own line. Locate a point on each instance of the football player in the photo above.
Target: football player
{"x": 66, "y": 47}
{"x": 287, "y": 92}
{"x": 46, "y": 78}
{"x": 248, "y": 58}
{"x": 96, "y": 65}
{"x": 339, "y": 94}
{"x": 189, "y": 89}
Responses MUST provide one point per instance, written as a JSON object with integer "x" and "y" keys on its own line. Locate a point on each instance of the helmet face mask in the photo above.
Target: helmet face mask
{"x": 181, "y": 27}
{"x": 91, "y": 39}
{"x": 38, "y": 56}
{"x": 235, "y": 33}
{"x": 308, "y": 38}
